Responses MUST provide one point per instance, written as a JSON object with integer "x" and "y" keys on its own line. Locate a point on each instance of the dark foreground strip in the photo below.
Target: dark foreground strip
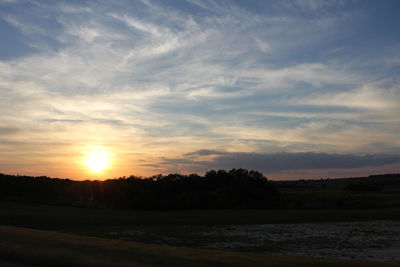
{"x": 45, "y": 248}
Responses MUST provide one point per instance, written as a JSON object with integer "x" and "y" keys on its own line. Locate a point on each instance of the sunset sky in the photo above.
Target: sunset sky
{"x": 294, "y": 89}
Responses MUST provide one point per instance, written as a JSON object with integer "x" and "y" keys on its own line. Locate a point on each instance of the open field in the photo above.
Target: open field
{"x": 47, "y": 248}
{"x": 373, "y": 192}
{"x": 366, "y": 234}
{"x": 372, "y": 240}
{"x": 63, "y": 218}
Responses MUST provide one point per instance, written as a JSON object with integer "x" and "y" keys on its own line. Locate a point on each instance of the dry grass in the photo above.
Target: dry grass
{"x": 47, "y": 248}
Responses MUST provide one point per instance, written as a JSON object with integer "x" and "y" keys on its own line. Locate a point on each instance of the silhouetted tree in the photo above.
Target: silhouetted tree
{"x": 237, "y": 188}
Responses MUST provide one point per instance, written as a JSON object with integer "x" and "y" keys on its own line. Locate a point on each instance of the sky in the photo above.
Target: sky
{"x": 293, "y": 89}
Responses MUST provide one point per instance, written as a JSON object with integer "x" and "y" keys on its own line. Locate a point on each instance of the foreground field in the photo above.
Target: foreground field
{"x": 97, "y": 237}
{"x": 47, "y": 248}
{"x": 70, "y": 219}
{"x": 368, "y": 240}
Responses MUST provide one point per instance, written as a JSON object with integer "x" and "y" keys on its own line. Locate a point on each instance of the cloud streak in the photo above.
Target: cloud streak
{"x": 277, "y": 162}
{"x": 157, "y": 79}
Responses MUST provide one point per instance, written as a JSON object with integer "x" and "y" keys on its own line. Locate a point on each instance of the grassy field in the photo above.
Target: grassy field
{"x": 45, "y": 248}
{"x": 332, "y": 193}
{"x": 70, "y": 235}
{"x": 61, "y": 218}
{"x": 319, "y": 199}
{"x": 77, "y": 236}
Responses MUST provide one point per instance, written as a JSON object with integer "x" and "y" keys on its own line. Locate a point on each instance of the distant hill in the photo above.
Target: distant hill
{"x": 374, "y": 191}
{"x": 381, "y": 179}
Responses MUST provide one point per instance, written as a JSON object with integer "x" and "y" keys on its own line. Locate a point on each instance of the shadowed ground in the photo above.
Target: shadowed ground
{"x": 62, "y": 218}
{"x": 6, "y": 263}
{"x": 46, "y": 248}
{"x": 82, "y": 236}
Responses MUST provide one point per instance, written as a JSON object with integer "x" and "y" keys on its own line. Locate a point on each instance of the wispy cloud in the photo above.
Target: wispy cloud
{"x": 368, "y": 97}
{"x": 153, "y": 79}
{"x": 204, "y": 160}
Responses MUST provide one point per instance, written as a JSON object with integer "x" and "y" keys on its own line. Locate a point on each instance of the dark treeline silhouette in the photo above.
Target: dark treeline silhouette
{"x": 237, "y": 188}
{"x": 234, "y": 189}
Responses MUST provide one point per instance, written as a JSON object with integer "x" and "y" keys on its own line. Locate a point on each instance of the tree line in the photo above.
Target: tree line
{"x": 234, "y": 189}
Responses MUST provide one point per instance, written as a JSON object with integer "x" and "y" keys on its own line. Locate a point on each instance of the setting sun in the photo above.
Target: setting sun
{"x": 97, "y": 159}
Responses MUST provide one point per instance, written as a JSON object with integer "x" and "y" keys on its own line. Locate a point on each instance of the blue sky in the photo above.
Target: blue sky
{"x": 186, "y": 86}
